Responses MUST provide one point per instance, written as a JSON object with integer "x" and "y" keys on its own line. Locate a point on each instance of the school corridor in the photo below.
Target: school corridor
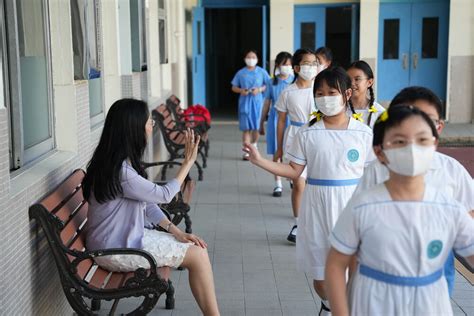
{"x": 245, "y": 228}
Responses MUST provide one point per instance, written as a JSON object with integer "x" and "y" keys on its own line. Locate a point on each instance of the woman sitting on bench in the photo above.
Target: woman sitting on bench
{"x": 122, "y": 202}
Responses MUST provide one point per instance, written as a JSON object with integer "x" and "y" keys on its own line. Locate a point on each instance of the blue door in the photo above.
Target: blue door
{"x": 393, "y": 49}
{"x": 310, "y": 27}
{"x": 429, "y": 46}
{"x": 199, "y": 57}
{"x": 413, "y": 47}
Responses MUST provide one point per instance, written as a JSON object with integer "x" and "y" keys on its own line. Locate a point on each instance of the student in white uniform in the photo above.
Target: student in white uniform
{"x": 296, "y": 102}
{"x": 445, "y": 172}
{"x": 402, "y": 230}
{"x": 363, "y": 97}
{"x": 334, "y": 148}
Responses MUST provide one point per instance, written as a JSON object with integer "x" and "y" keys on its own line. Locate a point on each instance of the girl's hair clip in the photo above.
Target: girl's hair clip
{"x": 373, "y": 109}
{"x": 318, "y": 115}
{"x": 358, "y": 116}
{"x": 383, "y": 117}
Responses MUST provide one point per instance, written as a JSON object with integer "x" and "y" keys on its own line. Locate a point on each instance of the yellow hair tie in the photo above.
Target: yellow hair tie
{"x": 317, "y": 115}
{"x": 384, "y": 116}
{"x": 358, "y": 116}
{"x": 373, "y": 109}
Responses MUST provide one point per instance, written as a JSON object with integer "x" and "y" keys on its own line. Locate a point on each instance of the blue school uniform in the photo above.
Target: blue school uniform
{"x": 272, "y": 93}
{"x": 250, "y": 106}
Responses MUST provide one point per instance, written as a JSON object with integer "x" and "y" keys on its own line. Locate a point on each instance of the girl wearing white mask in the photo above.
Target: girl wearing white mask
{"x": 282, "y": 77}
{"x": 296, "y": 103}
{"x": 335, "y": 149}
{"x": 324, "y": 57}
{"x": 250, "y": 82}
{"x": 402, "y": 230}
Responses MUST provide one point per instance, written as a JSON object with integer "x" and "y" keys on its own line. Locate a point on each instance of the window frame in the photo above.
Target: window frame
{"x": 163, "y": 16}
{"x": 21, "y": 156}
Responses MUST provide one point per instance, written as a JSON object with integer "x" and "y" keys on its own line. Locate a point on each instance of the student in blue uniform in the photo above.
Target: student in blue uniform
{"x": 250, "y": 82}
{"x": 282, "y": 77}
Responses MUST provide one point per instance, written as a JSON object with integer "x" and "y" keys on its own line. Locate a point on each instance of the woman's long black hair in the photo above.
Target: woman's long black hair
{"x": 336, "y": 78}
{"x": 123, "y": 137}
{"x": 281, "y": 58}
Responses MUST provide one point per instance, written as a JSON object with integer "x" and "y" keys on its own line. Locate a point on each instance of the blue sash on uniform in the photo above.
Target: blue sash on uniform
{"x": 398, "y": 280}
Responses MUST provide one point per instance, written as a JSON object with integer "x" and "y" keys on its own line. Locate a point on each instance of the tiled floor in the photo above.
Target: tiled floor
{"x": 246, "y": 230}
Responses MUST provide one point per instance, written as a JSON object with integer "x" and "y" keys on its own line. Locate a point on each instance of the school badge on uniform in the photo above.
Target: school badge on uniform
{"x": 353, "y": 155}
{"x": 434, "y": 248}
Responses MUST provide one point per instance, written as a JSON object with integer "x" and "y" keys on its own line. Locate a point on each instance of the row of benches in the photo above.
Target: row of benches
{"x": 62, "y": 215}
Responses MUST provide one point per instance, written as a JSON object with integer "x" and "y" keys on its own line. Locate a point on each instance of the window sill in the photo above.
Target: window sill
{"x": 28, "y": 176}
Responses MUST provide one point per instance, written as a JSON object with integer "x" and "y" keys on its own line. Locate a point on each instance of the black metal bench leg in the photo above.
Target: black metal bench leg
{"x": 170, "y": 296}
{"x": 95, "y": 304}
{"x": 198, "y": 166}
{"x": 188, "y": 223}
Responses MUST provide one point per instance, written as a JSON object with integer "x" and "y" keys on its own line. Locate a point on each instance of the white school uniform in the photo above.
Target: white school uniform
{"x": 445, "y": 172}
{"x": 335, "y": 161}
{"x": 401, "y": 248}
{"x": 298, "y": 104}
{"x": 366, "y": 114}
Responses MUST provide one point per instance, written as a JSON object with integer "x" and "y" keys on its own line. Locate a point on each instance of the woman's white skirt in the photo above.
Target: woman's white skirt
{"x": 166, "y": 250}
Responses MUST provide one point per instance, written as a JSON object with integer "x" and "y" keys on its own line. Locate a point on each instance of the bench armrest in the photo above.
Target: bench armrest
{"x": 81, "y": 256}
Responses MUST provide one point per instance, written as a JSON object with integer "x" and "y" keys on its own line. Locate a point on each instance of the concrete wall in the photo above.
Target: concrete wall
{"x": 460, "y": 96}
{"x": 29, "y": 283}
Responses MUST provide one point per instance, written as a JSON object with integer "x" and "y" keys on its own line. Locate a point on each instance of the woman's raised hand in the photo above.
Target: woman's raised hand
{"x": 191, "y": 145}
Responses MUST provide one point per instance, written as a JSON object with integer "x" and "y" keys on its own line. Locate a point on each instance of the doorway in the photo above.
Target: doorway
{"x": 230, "y": 32}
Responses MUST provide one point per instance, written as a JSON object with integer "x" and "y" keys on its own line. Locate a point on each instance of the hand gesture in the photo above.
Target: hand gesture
{"x": 190, "y": 238}
{"x": 191, "y": 145}
{"x": 244, "y": 92}
{"x": 254, "y": 154}
{"x": 255, "y": 91}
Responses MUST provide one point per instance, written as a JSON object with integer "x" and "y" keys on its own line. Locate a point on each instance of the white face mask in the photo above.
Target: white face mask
{"x": 411, "y": 160}
{"x": 285, "y": 70}
{"x": 308, "y": 72}
{"x": 329, "y": 106}
{"x": 321, "y": 67}
{"x": 251, "y": 62}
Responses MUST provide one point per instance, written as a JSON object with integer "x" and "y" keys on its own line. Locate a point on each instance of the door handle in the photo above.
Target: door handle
{"x": 405, "y": 61}
{"x": 415, "y": 60}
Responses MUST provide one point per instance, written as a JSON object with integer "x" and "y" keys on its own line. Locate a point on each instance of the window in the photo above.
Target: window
{"x": 308, "y": 35}
{"x": 138, "y": 34}
{"x": 391, "y": 37}
{"x": 29, "y": 88}
{"x": 163, "y": 33}
{"x": 429, "y": 38}
{"x": 87, "y": 48}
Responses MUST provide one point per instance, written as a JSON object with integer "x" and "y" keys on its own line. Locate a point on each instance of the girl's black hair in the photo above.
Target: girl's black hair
{"x": 396, "y": 114}
{"x": 362, "y": 65}
{"x": 413, "y": 94}
{"x": 123, "y": 137}
{"x": 336, "y": 78}
{"x": 250, "y": 51}
{"x": 298, "y": 57}
{"x": 326, "y": 52}
{"x": 281, "y": 58}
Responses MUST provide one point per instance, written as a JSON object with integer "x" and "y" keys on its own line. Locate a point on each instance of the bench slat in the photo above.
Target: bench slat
{"x": 76, "y": 201}
{"x": 99, "y": 278}
{"x": 115, "y": 281}
{"x": 78, "y": 219}
{"x": 63, "y": 191}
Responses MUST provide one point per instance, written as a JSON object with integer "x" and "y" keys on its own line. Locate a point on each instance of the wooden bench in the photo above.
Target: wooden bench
{"x": 173, "y": 104}
{"x": 62, "y": 216}
{"x": 178, "y": 209}
{"x": 174, "y": 138}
